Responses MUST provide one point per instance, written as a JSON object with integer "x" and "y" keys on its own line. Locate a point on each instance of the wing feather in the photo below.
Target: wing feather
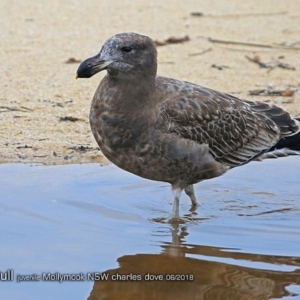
{"x": 236, "y": 131}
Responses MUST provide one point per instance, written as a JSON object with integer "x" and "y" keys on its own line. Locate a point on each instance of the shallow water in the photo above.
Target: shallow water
{"x": 242, "y": 243}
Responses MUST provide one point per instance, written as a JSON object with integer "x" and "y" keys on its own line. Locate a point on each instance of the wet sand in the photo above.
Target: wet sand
{"x": 39, "y": 91}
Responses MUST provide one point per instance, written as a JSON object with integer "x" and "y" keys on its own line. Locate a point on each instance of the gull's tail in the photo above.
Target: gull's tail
{"x": 287, "y": 145}
{"x": 291, "y": 140}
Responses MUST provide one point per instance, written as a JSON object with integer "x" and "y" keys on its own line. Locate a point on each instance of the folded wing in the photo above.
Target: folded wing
{"x": 236, "y": 131}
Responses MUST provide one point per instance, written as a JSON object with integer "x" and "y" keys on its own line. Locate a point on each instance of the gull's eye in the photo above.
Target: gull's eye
{"x": 126, "y": 49}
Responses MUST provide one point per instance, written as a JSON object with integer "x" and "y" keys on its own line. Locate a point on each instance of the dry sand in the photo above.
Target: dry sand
{"x": 38, "y": 88}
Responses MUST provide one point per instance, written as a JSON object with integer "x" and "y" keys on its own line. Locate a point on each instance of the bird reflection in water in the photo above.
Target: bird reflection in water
{"x": 198, "y": 278}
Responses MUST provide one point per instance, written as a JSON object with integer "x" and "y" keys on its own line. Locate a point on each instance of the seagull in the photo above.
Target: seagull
{"x": 175, "y": 131}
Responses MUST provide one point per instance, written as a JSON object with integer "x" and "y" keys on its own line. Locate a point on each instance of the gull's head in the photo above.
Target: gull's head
{"x": 124, "y": 55}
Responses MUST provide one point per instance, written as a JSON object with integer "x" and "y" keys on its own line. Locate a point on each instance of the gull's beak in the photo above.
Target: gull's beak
{"x": 91, "y": 66}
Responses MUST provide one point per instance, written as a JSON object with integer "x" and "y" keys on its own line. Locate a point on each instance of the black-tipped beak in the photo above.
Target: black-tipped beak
{"x": 91, "y": 66}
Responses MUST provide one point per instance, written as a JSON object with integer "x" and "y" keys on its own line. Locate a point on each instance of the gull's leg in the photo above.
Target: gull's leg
{"x": 189, "y": 190}
{"x": 175, "y": 210}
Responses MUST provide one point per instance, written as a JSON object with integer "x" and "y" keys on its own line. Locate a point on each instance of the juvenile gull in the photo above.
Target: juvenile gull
{"x": 175, "y": 131}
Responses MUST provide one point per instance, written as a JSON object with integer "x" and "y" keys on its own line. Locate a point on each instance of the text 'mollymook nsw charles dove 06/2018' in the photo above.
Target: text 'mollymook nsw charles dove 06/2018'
{"x": 174, "y": 131}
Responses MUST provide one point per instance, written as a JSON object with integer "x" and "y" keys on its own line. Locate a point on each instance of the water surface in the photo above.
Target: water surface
{"x": 242, "y": 243}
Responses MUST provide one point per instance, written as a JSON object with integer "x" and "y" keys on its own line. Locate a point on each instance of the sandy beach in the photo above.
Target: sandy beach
{"x": 235, "y": 48}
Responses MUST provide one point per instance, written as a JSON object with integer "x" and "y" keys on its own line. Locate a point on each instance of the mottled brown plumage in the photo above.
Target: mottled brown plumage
{"x": 174, "y": 131}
